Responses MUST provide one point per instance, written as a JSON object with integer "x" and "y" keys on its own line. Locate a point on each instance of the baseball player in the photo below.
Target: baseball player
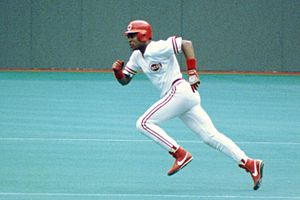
{"x": 179, "y": 98}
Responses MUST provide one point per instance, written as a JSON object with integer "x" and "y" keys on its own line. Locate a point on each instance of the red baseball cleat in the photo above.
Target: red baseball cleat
{"x": 255, "y": 168}
{"x": 182, "y": 157}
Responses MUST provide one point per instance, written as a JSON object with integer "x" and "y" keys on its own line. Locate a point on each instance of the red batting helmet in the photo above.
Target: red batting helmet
{"x": 142, "y": 28}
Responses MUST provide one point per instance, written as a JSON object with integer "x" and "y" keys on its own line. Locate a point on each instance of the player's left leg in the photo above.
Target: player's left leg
{"x": 168, "y": 107}
{"x": 149, "y": 122}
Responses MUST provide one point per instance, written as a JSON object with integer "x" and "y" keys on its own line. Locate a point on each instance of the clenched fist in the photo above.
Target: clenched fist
{"x": 117, "y": 68}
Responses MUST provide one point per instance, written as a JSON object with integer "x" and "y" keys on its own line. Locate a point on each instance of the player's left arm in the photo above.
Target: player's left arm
{"x": 191, "y": 63}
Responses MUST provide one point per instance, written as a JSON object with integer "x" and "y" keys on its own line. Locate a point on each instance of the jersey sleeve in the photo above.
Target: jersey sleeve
{"x": 131, "y": 68}
{"x": 176, "y": 44}
{"x": 166, "y": 48}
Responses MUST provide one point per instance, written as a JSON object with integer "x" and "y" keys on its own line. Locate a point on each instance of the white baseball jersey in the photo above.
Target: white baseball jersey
{"x": 159, "y": 63}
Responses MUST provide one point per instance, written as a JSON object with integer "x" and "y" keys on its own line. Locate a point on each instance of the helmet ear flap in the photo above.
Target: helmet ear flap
{"x": 141, "y": 37}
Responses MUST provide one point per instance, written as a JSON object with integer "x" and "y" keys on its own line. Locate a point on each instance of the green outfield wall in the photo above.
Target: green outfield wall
{"x": 239, "y": 35}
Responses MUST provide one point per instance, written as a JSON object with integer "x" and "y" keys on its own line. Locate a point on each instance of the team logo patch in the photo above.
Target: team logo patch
{"x": 129, "y": 28}
{"x": 155, "y": 67}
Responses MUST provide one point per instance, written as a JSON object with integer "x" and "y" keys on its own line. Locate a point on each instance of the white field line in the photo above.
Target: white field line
{"x": 133, "y": 140}
{"x": 46, "y": 194}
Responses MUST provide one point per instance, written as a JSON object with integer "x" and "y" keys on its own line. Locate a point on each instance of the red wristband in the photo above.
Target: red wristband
{"x": 191, "y": 63}
{"x": 119, "y": 75}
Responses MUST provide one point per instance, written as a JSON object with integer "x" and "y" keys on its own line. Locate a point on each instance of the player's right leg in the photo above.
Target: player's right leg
{"x": 199, "y": 121}
{"x": 255, "y": 168}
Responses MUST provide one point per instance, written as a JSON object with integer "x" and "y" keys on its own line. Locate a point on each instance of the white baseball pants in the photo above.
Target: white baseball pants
{"x": 182, "y": 102}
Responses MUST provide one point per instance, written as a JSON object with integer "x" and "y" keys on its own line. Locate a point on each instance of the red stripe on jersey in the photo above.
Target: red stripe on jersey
{"x": 174, "y": 43}
{"x": 131, "y": 71}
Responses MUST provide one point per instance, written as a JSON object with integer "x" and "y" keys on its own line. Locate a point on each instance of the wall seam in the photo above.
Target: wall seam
{"x": 281, "y": 36}
{"x": 31, "y": 45}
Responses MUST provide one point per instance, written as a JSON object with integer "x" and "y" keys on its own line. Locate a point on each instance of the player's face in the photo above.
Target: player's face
{"x": 134, "y": 43}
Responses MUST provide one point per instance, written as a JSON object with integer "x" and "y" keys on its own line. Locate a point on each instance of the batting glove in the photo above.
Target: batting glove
{"x": 193, "y": 79}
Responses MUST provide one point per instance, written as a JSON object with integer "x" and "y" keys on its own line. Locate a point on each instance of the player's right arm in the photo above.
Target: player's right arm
{"x": 117, "y": 68}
